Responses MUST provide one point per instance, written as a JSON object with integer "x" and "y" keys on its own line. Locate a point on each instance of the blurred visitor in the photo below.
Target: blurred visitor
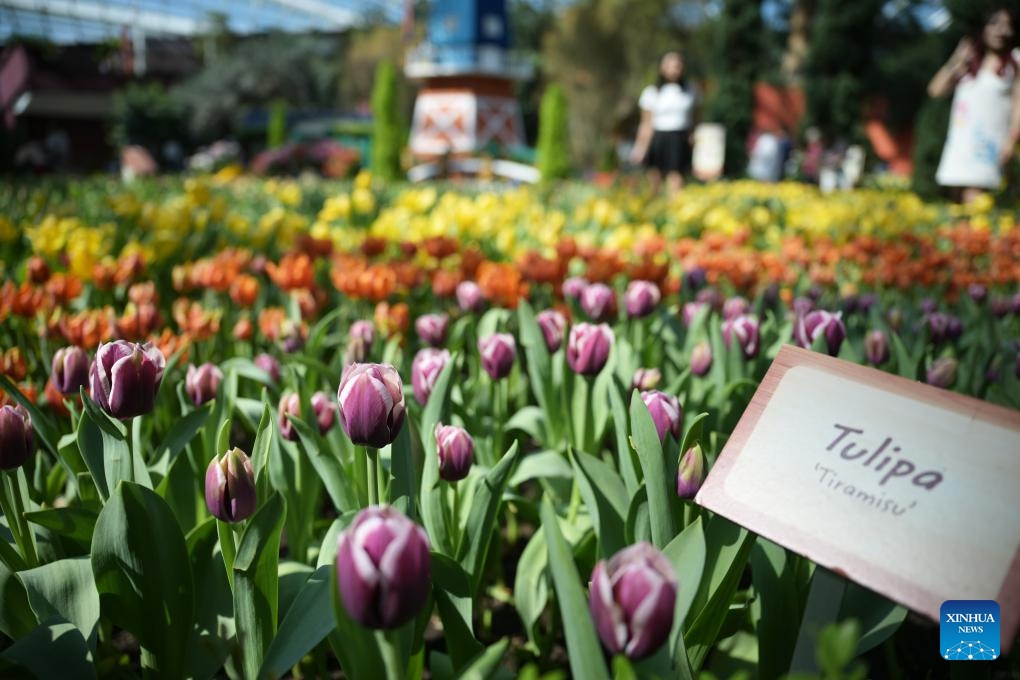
{"x": 136, "y": 161}
{"x": 765, "y": 160}
{"x": 813, "y": 153}
{"x": 985, "y": 122}
{"x": 668, "y": 118}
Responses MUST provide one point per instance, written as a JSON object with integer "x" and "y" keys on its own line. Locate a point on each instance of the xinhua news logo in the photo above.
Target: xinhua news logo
{"x": 969, "y": 630}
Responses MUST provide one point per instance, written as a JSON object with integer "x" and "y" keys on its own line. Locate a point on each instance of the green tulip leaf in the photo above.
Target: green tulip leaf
{"x": 605, "y": 496}
{"x": 653, "y": 465}
{"x": 432, "y": 502}
{"x": 56, "y": 649}
{"x": 307, "y": 622}
{"x": 65, "y": 589}
{"x": 485, "y": 502}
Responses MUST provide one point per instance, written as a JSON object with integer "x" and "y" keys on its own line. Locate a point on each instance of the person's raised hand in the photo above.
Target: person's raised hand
{"x": 961, "y": 57}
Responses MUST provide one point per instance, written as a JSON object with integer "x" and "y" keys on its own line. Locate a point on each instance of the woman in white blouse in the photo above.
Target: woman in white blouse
{"x": 668, "y": 115}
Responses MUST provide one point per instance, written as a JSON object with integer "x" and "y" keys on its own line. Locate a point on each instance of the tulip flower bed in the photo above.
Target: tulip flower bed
{"x": 259, "y": 428}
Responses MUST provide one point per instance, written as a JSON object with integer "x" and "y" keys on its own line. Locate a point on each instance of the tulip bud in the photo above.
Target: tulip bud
{"x": 895, "y": 318}
{"x": 425, "y": 369}
{"x": 876, "y": 347}
{"x": 954, "y": 329}
{"x": 553, "y": 325}
{"x": 290, "y": 405}
{"x": 1016, "y": 304}
{"x": 202, "y": 383}
{"x": 937, "y": 324}
{"x": 371, "y": 399}
{"x": 735, "y": 306}
{"x": 645, "y": 379}
{"x": 70, "y": 370}
{"x": 230, "y": 487}
{"x": 431, "y": 328}
{"x": 498, "y": 352}
{"x": 598, "y": 301}
{"x": 744, "y": 331}
{"x": 803, "y": 306}
{"x": 865, "y": 302}
{"x": 16, "y": 437}
{"x": 691, "y": 310}
{"x": 125, "y": 376}
{"x": 383, "y": 568}
{"x": 1000, "y": 306}
{"x": 641, "y": 298}
{"x": 701, "y": 358}
{"x": 820, "y": 323}
{"x": 691, "y": 474}
{"x": 978, "y": 292}
{"x": 666, "y": 413}
{"x": 711, "y": 297}
{"x": 292, "y": 336}
{"x": 695, "y": 278}
{"x": 928, "y": 306}
{"x": 942, "y": 372}
{"x": 325, "y": 411}
{"x": 588, "y": 348}
{"x": 573, "y": 287}
{"x": 469, "y": 296}
{"x": 1016, "y": 366}
{"x": 362, "y": 330}
{"x": 270, "y": 365}
{"x": 456, "y": 451}
{"x": 632, "y": 598}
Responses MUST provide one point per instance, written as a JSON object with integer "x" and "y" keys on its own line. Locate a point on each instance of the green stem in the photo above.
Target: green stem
{"x": 497, "y": 422}
{"x": 228, "y": 547}
{"x": 453, "y": 524}
{"x": 14, "y": 509}
{"x": 7, "y": 505}
{"x": 395, "y": 669}
{"x": 20, "y": 486}
{"x": 372, "y": 482}
{"x": 575, "y": 499}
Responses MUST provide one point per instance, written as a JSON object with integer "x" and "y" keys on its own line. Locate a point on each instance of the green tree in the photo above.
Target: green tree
{"x": 144, "y": 114}
{"x": 553, "y": 154}
{"x": 387, "y": 132}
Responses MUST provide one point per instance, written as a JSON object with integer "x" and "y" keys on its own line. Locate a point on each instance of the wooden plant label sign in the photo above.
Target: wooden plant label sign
{"x": 909, "y": 490}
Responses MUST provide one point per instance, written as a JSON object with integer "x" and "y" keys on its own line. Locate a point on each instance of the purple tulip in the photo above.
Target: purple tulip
{"x": 553, "y": 326}
{"x": 641, "y": 298}
{"x": 743, "y": 330}
{"x": 70, "y": 370}
{"x": 1016, "y": 304}
{"x": 203, "y": 383}
{"x": 588, "y": 348}
{"x": 290, "y": 405}
{"x": 820, "y": 323}
{"x": 694, "y": 278}
{"x": 954, "y": 329}
{"x": 573, "y": 287}
{"x": 691, "y": 474}
{"x": 1000, "y": 306}
{"x": 362, "y": 330}
{"x": 125, "y": 377}
{"x": 431, "y": 328}
{"x": 16, "y": 437}
{"x": 711, "y": 297}
{"x": 701, "y": 358}
{"x": 632, "y": 598}
{"x": 937, "y": 324}
{"x": 230, "y": 487}
{"x": 691, "y": 310}
{"x": 469, "y": 296}
{"x": 666, "y": 413}
{"x": 876, "y": 347}
{"x": 598, "y": 301}
{"x": 1016, "y": 366}
{"x": 383, "y": 568}
{"x": 735, "y": 306}
{"x": 978, "y": 292}
{"x": 866, "y": 302}
{"x": 325, "y": 411}
{"x": 292, "y": 336}
{"x": 498, "y": 353}
{"x": 928, "y": 306}
{"x": 456, "y": 451}
{"x": 371, "y": 399}
{"x": 425, "y": 369}
{"x": 645, "y": 379}
{"x": 270, "y": 365}
{"x": 942, "y": 372}
{"x": 803, "y": 306}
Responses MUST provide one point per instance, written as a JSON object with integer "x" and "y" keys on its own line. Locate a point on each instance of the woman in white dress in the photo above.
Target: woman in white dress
{"x": 982, "y": 74}
{"x": 668, "y": 116}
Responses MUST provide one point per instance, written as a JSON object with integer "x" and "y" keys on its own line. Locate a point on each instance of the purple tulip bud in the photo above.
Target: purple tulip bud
{"x": 290, "y": 405}
{"x": 942, "y": 372}
{"x": 645, "y": 379}
{"x": 666, "y": 412}
{"x": 203, "y": 383}
{"x": 573, "y": 287}
{"x": 701, "y": 358}
{"x": 456, "y": 451}
{"x": 815, "y": 292}
{"x": 876, "y": 347}
{"x": 469, "y": 296}
{"x": 770, "y": 296}
{"x": 937, "y": 324}
{"x": 16, "y": 437}
{"x": 695, "y": 278}
{"x": 735, "y": 306}
{"x": 230, "y": 487}
{"x": 371, "y": 399}
{"x": 292, "y": 337}
{"x": 431, "y": 328}
{"x": 928, "y": 306}
{"x": 954, "y": 329}
{"x": 425, "y": 369}
{"x": 125, "y": 377}
{"x": 270, "y": 365}
{"x": 1000, "y": 306}
{"x": 993, "y": 375}
{"x": 588, "y": 348}
{"x": 848, "y": 304}
{"x": 1016, "y": 303}
{"x": 895, "y": 318}
{"x": 383, "y": 568}
{"x": 1016, "y": 367}
{"x": 691, "y": 474}
{"x": 641, "y": 298}
{"x": 498, "y": 353}
{"x": 743, "y": 330}
{"x": 70, "y": 370}
{"x": 325, "y": 411}
{"x": 598, "y": 301}
{"x": 978, "y": 292}
{"x": 691, "y": 310}
{"x": 362, "y": 330}
{"x": 553, "y": 326}
{"x": 803, "y": 306}
{"x": 866, "y": 302}
{"x": 821, "y": 323}
{"x": 632, "y": 598}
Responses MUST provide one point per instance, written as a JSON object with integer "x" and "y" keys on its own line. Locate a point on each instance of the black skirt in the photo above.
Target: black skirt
{"x": 669, "y": 151}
